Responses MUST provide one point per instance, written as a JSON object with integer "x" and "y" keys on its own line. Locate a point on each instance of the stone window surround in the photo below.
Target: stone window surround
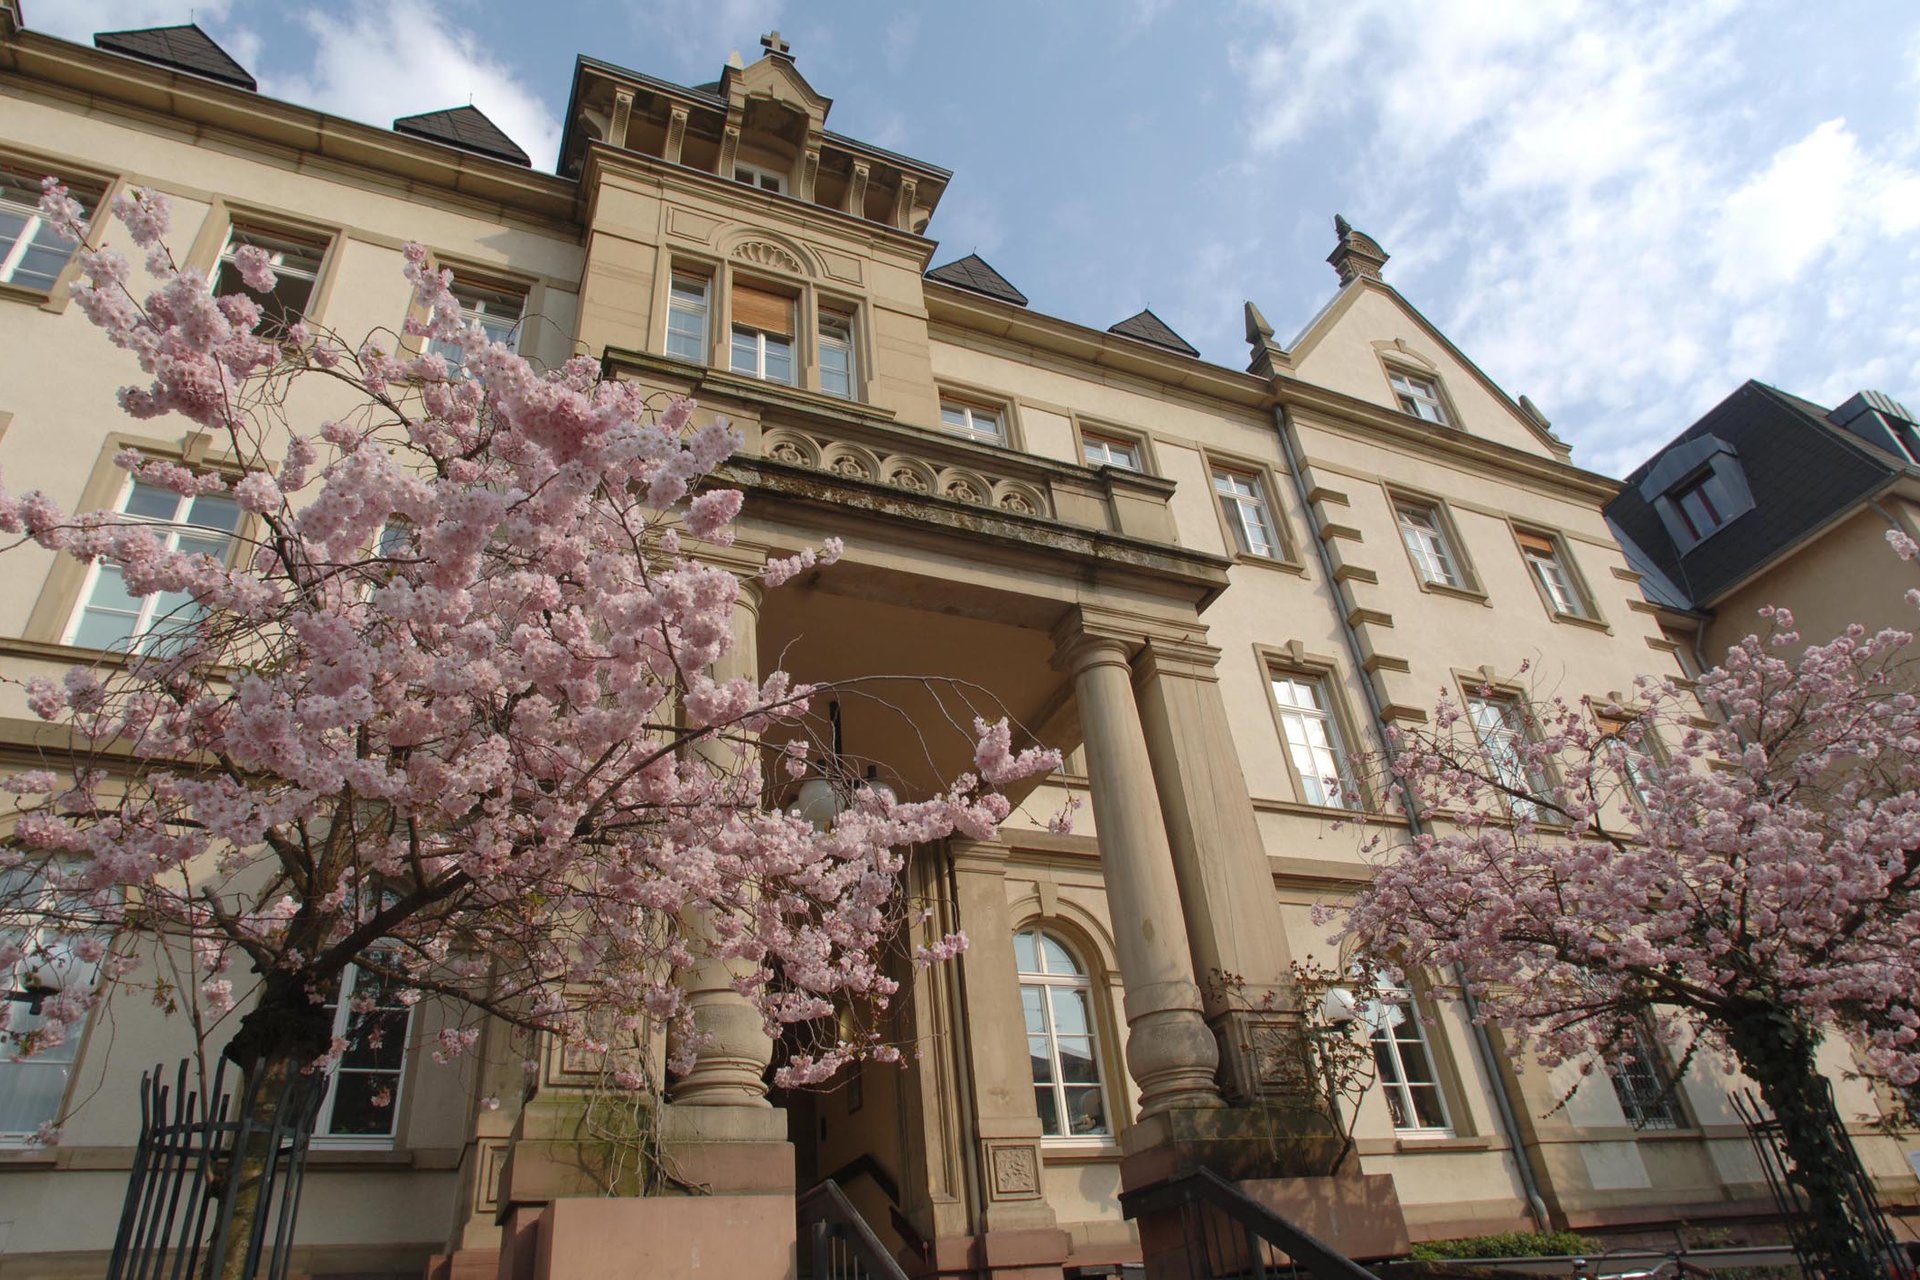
{"x": 1470, "y": 587}
{"x": 224, "y": 213}
{"x": 1563, "y": 553}
{"x": 1045, "y": 911}
{"x": 1141, "y": 442}
{"x": 1398, "y": 357}
{"x": 105, "y": 182}
{"x": 1214, "y": 460}
{"x": 811, "y": 299}
{"x": 979, "y": 398}
{"x": 1484, "y": 686}
{"x": 1292, "y": 659}
{"x": 1672, "y": 1114}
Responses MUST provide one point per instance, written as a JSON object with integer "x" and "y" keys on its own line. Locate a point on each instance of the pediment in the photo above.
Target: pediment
{"x": 776, "y": 80}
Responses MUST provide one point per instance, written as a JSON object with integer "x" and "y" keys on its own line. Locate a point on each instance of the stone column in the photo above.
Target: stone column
{"x": 1220, "y": 861}
{"x": 1169, "y": 1048}
{"x": 728, "y": 1068}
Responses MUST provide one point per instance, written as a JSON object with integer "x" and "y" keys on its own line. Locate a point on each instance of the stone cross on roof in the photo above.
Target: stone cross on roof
{"x": 774, "y": 44}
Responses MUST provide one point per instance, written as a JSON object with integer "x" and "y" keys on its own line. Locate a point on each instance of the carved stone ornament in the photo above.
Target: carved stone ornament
{"x": 762, "y": 253}
{"x": 853, "y": 461}
{"x": 851, "y": 467}
{"x": 1016, "y": 1172}
{"x": 964, "y": 491}
{"x": 1017, "y": 504}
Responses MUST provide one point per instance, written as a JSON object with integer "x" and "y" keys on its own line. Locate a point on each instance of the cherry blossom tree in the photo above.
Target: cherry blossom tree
{"x": 1746, "y": 883}
{"x": 450, "y": 716}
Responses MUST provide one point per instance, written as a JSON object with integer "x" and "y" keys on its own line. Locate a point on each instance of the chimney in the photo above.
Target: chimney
{"x": 1357, "y": 256}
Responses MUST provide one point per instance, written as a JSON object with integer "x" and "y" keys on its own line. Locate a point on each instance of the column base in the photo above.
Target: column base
{"x": 679, "y": 1238}
{"x": 727, "y": 1150}
{"x": 1037, "y": 1254}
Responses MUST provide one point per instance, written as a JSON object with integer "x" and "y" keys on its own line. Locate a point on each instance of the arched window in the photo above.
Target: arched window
{"x": 1057, "y": 998}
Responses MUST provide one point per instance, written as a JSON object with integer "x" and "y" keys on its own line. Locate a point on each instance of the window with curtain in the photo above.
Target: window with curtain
{"x": 1500, "y": 725}
{"x": 1425, "y": 536}
{"x": 32, "y": 1089}
{"x": 1244, "y": 501}
{"x": 1313, "y": 739}
{"x": 1405, "y": 1062}
{"x": 1056, "y": 996}
{"x": 1548, "y": 562}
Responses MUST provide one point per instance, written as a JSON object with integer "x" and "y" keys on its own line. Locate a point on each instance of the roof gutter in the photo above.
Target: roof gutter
{"x": 1483, "y": 1043}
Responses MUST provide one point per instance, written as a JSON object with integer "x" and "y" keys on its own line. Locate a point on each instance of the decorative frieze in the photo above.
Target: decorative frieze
{"x": 919, "y": 476}
{"x": 764, "y": 253}
{"x": 1014, "y": 1169}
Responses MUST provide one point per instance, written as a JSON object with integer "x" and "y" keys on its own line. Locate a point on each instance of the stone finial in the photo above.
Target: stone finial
{"x": 1357, "y": 256}
{"x": 774, "y": 45}
{"x": 1258, "y": 330}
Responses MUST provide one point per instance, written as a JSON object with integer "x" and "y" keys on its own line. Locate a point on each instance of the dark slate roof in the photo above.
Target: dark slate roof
{"x": 464, "y": 127}
{"x": 1148, "y": 327}
{"x": 972, "y": 272}
{"x": 187, "y": 49}
{"x": 1801, "y": 469}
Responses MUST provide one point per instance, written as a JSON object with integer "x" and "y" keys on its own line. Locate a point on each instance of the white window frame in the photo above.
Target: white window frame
{"x": 1046, "y": 982}
{"x": 762, "y": 342}
{"x": 1299, "y": 725}
{"x": 66, "y": 1055}
{"x": 276, "y": 243}
{"x": 696, "y": 311}
{"x": 474, "y": 309}
{"x": 1419, "y": 394}
{"x": 1243, "y": 500}
{"x": 342, "y": 1021}
{"x": 971, "y": 416}
{"x": 34, "y": 225}
{"x": 760, "y": 177}
{"x": 1644, "y": 1086}
{"x": 1423, "y": 531}
{"x": 836, "y": 335}
{"x": 1554, "y": 575}
{"x": 1104, "y": 449}
{"x": 145, "y": 618}
{"x": 1393, "y": 1009}
{"x": 1499, "y": 723}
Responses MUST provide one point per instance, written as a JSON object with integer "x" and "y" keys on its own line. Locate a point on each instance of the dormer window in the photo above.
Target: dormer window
{"x": 755, "y": 176}
{"x": 1694, "y": 499}
{"x": 1697, "y": 488}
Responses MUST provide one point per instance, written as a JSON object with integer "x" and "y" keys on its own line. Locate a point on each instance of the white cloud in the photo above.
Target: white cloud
{"x": 1593, "y": 198}
{"x": 698, "y": 34}
{"x": 377, "y": 62}
{"x": 79, "y": 19}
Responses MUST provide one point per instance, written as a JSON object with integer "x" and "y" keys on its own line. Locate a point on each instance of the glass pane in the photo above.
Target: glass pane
{"x": 1048, "y": 1105}
{"x": 192, "y": 545}
{"x": 40, "y": 266}
{"x": 1397, "y": 1107}
{"x": 746, "y": 354}
{"x": 30, "y": 1091}
{"x": 953, "y": 416}
{"x": 1086, "y": 1112}
{"x": 111, "y": 614}
{"x": 1076, "y": 1060}
{"x": 1070, "y": 1012}
{"x": 1427, "y": 1110}
{"x": 1059, "y": 959}
{"x": 1414, "y": 1059}
{"x": 1026, "y": 955}
{"x": 151, "y": 502}
{"x": 1042, "y": 1060}
{"x": 1034, "y": 1010}
{"x": 779, "y": 360}
{"x": 363, "y": 1103}
{"x": 1384, "y": 1059}
{"x": 376, "y": 1039}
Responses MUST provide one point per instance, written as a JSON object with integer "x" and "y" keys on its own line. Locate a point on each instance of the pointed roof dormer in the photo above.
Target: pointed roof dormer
{"x": 1144, "y": 326}
{"x": 466, "y": 128}
{"x": 184, "y": 48}
{"x": 774, "y": 84}
{"x": 973, "y": 273}
{"x": 1358, "y": 256}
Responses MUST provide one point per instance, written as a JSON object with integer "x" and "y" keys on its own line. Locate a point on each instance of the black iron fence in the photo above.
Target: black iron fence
{"x": 203, "y": 1152}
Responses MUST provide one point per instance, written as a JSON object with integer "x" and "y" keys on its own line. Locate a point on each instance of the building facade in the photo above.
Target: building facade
{"x": 1208, "y": 586}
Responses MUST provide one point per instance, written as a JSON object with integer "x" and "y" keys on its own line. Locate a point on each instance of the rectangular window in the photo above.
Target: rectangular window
{"x": 1405, "y": 1064}
{"x": 1637, "y": 768}
{"x": 496, "y": 311}
{"x": 1696, "y": 505}
{"x": 1500, "y": 724}
{"x": 1426, "y": 538}
{"x": 1642, "y": 1084}
{"x": 296, "y": 263}
{"x": 836, "y": 355}
{"x": 32, "y": 1088}
{"x": 1110, "y": 451}
{"x": 687, "y": 318}
{"x": 109, "y": 617}
{"x": 762, "y": 334}
{"x": 1547, "y": 560}
{"x": 755, "y": 176}
{"x": 1243, "y": 500}
{"x": 1418, "y": 396}
{"x": 32, "y": 254}
{"x": 973, "y": 421}
{"x": 363, "y": 1091}
{"x": 1313, "y": 740}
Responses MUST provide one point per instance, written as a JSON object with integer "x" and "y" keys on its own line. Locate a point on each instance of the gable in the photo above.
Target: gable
{"x": 1369, "y": 329}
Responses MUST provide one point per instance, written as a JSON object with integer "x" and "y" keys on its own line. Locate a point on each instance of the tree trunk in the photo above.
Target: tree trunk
{"x": 276, "y": 1041}
{"x": 1777, "y": 1053}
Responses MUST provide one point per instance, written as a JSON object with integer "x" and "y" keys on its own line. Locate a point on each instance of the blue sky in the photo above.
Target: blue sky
{"x": 1621, "y": 209}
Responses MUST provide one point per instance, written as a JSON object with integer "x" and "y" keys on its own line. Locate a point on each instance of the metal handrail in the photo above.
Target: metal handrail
{"x": 844, "y": 1246}
{"x": 1259, "y": 1224}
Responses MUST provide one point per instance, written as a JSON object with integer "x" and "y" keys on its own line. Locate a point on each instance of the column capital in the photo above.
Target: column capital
{"x": 1188, "y": 659}
{"x": 1092, "y": 629}
{"x": 978, "y": 857}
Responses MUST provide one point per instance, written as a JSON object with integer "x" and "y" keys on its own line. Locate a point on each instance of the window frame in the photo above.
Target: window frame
{"x": 1435, "y": 396}
{"x": 1533, "y": 541}
{"x": 210, "y": 243}
{"x": 93, "y": 189}
{"x": 1321, "y": 677}
{"x": 1401, "y": 502}
{"x": 1648, "y": 749}
{"x": 269, "y": 231}
{"x": 758, "y": 176}
{"x": 1233, "y": 526}
{"x": 971, "y": 405}
{"x": 763, "y": 340}
{"x": 482, "y": 281}
{"x": 60, "y": 1056}
{"x": 1083, "y": 980}
{"x": 1408, "y": 999}
{"x": 1086, "y": 434}
{"x": 1517, "y": 723}
{"x": 343, "y": 1016}
{"x": 1651, "y": 1105}
{"x": 145, "y": 615}
{"x": 847, "y": 342}
{"x": 708, "y": 280}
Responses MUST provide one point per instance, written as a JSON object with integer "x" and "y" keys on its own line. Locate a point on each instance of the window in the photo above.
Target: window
{"x": 1499, "y": 722}
{"x": 755, "y": 176}
{"x": 1313, "y": 740}
{"x": 1422, "y": 529}
{"x": 32, "y": 253}
{"x": 1698, "y": 511}
{"x": 1405, "y": 1065}
{"x": 1419, "y": 396}
{"x": 762, "y": 334}
{"x": 973, "y": 421}
{"x": 1110, "y": 451}
{"x": 496, "y": 311}
{"x": 837, "y": 370}
{"x": 1244, "y": 502}
{"x": 109, "y": 617}
{"x": 1641, "y": 1083}
{"x": 296, "y": 263}
{"x": 363, "y": 1091}
{"x": 31, "y": 1089}
{"x": 1057, "y": 997}
{"x": 1639, "y": 762}
{"x": 687, "y": 317}
{"x": 1548, "y": 561}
